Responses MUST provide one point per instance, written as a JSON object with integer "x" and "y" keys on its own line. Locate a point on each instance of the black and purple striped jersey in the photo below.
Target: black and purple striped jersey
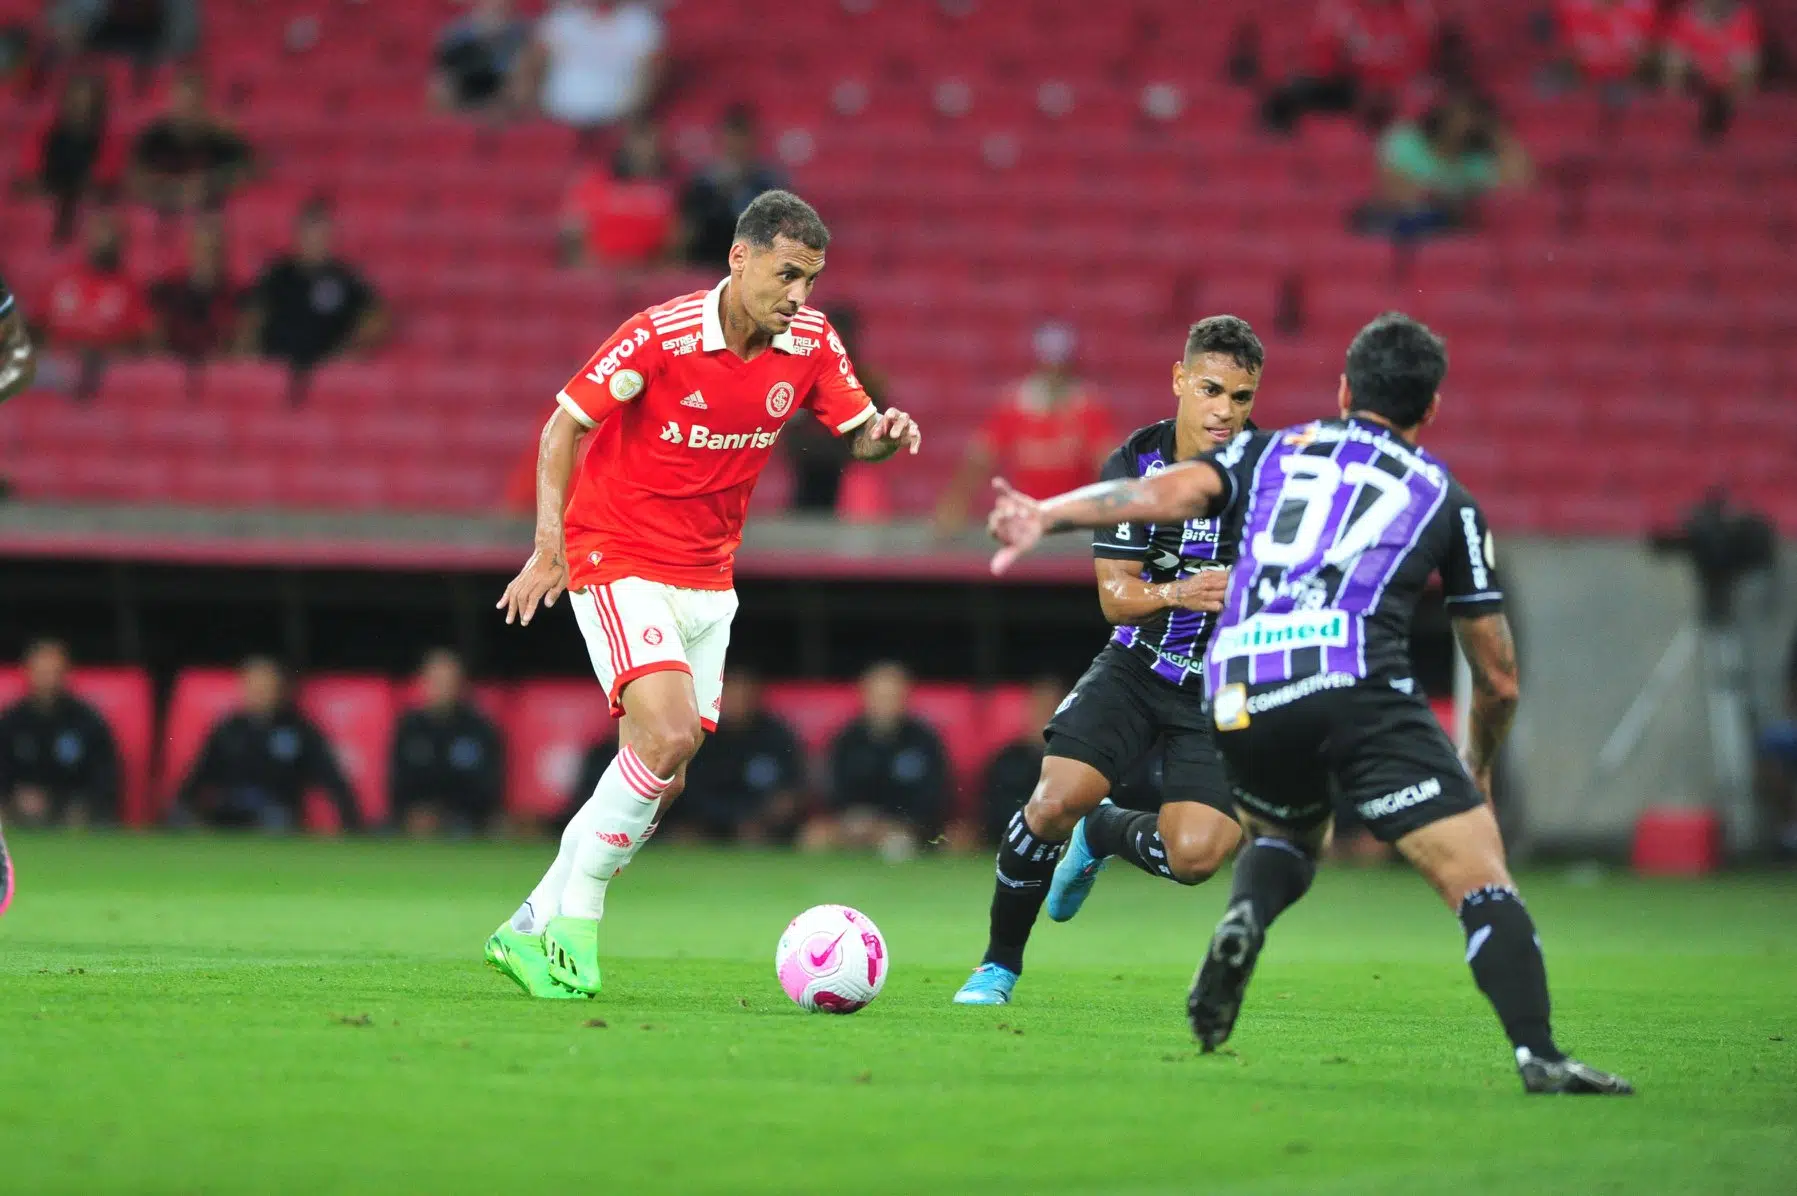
{"x": 1338, "y": 526}
{"x": 1171, "y": 642}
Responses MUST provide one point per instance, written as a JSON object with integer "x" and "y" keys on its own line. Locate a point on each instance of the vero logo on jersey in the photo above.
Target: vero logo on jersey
{"x": 698, "y": 436}
{"x": 1284, "y": 633}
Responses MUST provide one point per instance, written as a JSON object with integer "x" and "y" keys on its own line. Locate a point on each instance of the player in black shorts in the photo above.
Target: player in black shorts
{"x": 1338, "y": 526}
{"x": 1159, "y": 584}
{"x": 18, "y": 363}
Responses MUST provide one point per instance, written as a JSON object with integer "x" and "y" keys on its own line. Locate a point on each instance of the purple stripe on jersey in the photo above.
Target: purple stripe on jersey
{"x": 1309, "y": 584}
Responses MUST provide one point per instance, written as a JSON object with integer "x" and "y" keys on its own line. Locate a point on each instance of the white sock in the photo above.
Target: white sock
{"x": 545, "y": 901}
{"x": 623, "y": 805}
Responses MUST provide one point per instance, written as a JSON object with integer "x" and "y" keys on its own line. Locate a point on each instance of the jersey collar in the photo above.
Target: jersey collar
{"x": 711, "y": 324}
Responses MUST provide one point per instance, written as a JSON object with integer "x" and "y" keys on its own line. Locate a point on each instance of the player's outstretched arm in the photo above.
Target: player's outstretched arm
{"x": 1189, "y": 490}
{"x": 18, "y": 361}
{"x": 545, "y": 574}
{"x": 884, "y": 435}
{"x": 1497, "y": 688}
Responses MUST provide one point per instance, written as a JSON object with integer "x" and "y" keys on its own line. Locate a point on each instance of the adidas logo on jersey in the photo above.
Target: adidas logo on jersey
{"x": 695, "y": 399}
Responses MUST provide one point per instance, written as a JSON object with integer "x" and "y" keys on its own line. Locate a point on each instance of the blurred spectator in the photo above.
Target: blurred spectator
{"x": 1608, "y": 42}
{"x": 187, "y": 158}
{"x": 1048, "y": 435}
{"x": 1362, "y": 55}
{"x": 1712, "y": 50}
{"x": 447, "y": 771}
{"x": 747, "y": 782}
{"x": 1777, "y": 768}
{"x": 621, "y": 213}
{"x": 475, "y": 56}
{"x": 58, "y": 762}
{"x": 593, "y": 63}
{"x": 145, "y": 31}
{"x": 258, "y": 763}
{"x": 818, "y": 455}
{"x": 96, "y": 309}
{"x": 1011, "y": 774}
{"x": 77, "y": 156}
{"x": 717, "y": 195}
{"x": 1433, "y": 171}
{"x": 888, "y": 772}
{"x": 308, "y": 305}
{"x": 194, "y": 313}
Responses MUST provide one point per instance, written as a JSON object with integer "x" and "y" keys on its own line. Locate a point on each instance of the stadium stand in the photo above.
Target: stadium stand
{"x": 1603, "y": 306}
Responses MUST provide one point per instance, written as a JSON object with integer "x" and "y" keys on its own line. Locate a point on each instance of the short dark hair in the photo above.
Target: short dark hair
{"x": 1395, "y": 367}
{"x": 781, "y": 214}
{"x": 1231, "y": 336}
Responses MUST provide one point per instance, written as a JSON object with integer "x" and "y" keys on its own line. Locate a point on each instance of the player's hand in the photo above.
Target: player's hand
{"x": 1206, "y": 590}
{"x": 894, "y": 425}
{"x": 1017, "y": 522}
{"x": 543, "y": 579}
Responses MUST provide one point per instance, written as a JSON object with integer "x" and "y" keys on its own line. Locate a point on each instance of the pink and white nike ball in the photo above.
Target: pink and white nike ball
{"x": 831, "y": 959}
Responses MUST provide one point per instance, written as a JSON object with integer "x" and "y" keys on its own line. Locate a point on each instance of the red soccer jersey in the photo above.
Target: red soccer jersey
{"x": 1607, "y": 39}
{"x": 1717, "y": 52}
{"x": 684, "y": 428}
{"x": 1045, "y": 450}
{"x": 1381, "y": 45}
{"x": 94, "y": 310}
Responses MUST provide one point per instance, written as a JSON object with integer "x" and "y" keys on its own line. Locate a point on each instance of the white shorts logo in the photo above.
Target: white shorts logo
{"x": 779, "y": 399}
{"x": 1403, "y": 799}
{"x": 626, "y": 385}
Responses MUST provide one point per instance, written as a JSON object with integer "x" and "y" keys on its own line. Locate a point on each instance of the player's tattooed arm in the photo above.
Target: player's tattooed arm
{"x": 884, "y": 435}
{"x": 1127, "y": 598}
{"x": 18, "y": 361}
{"x": 1497, "y": 688}
{"x": 1188, "y": 490}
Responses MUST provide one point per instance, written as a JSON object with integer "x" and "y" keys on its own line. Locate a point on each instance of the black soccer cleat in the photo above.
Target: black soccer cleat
{"x": 1216, "y": 997}
{"x": 1567, "y": 1076}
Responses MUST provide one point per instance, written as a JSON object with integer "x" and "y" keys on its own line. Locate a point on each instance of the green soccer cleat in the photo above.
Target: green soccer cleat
{"x": 572, "y": 945}
{"x": 520, "y": 956}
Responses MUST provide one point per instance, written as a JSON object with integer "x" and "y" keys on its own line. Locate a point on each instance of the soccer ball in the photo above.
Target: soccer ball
{"x": 831, "y": 958}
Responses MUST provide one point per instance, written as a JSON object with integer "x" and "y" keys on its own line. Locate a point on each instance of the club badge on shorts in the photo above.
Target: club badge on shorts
{"x": 1230, "y": 707}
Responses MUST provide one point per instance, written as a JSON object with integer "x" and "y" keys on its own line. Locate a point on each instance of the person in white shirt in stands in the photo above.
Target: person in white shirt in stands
{"x": 592, "y": 63}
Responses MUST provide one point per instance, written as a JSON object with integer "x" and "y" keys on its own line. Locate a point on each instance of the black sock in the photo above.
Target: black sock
{"x": 1025, "y": 865}
{"x": 1505, "y": 957}
{"x": 1132, "y": 835}
{"x": 1270, "y": 874}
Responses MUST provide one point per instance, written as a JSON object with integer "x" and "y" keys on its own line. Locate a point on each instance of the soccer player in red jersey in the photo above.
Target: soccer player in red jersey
{"x": 685, "y": 402}
{"x": 17, "y": 365}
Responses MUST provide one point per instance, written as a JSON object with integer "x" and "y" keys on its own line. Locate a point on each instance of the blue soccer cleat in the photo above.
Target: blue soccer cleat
{"x": 1075, "y": 875}
{"x": 990, "y": 984}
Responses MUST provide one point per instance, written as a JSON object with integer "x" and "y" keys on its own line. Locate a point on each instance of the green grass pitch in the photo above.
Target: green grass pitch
{"x": 237, "y": 1016}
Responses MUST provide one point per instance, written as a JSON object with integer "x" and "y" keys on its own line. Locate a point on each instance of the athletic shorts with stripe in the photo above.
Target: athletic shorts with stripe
{"x": 633, "y": 627}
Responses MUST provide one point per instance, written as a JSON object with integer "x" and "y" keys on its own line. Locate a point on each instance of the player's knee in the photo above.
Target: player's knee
{"x": 1196, "y": 853}
{"x": 665, "y": 744}
{"x": 1053, "y": 812}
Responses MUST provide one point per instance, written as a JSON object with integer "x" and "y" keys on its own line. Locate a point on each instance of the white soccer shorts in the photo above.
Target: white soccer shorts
{"x": 633, "y": 627}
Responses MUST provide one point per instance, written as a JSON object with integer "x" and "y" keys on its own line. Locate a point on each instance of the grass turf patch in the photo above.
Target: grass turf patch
{"x": 237, "y": 1015}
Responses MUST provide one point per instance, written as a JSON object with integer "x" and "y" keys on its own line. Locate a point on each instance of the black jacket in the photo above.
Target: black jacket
{"x": 266, "y": 760}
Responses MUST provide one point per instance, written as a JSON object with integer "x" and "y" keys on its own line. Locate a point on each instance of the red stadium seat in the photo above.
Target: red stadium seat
{"x": 12, "y": 684}
{"x": 122, "y": 696}
{"x": 957, "y": 713}
{"x": 201, "y": 697}
{"x": 356, "y": 716}
{"x": 491, "y": 698}
{"x": 550, "y": 727}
